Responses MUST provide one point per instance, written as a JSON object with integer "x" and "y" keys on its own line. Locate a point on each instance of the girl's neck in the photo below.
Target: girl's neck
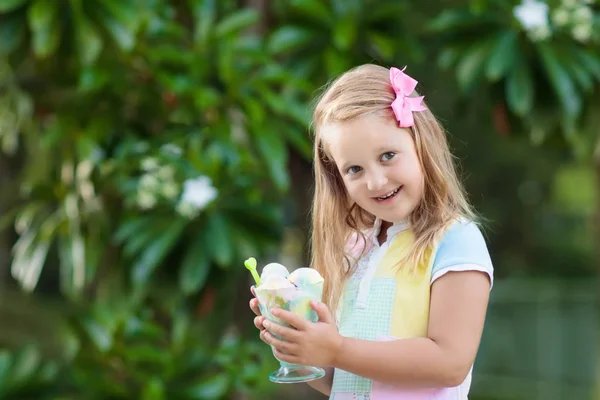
{"x": 382, "y": 228}
{"x": 382, "y": 236}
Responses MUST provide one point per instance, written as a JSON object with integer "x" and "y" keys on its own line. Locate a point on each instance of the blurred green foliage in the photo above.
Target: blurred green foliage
{"x": 151, "y": 144}
{"x": 539, "y": 59}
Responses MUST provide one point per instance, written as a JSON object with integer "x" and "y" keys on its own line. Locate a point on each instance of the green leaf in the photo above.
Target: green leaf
{"x": 335, "y": 62}
{"x": 5, "y": 364}
{"x": 195, "y": 266}
{"x": 218, "y": 239}
{"x": 236, "y": 22}
{"x": 93, "y": 79}
{"x": 9, "y": 5}
{"x": 143, "y": 238}
{"x": 133, "y": 226}
{"x": 449, "y": 20}
{"x": 43, "y": 22}
{"x": 87, "y": 40}
{"x": 204, "y": 15}
{"x": 590, "y": 61}
{"x": 344, "y": 32}
{"x": 122, "y": 32}
{"x": 519, "y": 89}
{"x": 212, "y": 388}
{"x": 274, "y": 153}
{"x": 26, "y": 363}
{"x": 584, "y": 79}
{"x": 156, "y": 252}
{"x": 206, "y": 97}
{"x": 342, "y": 8}
{"x": 154, "y": 389}
{"x": 449, "y": 55}
{"x": 226, "y": 65}
{"x": 315, "y": 10}
{"x": 12, "y": 32}
{"x": 100, "y": 335}
{"x": 297, "y": 111}
{"x": 289, "y": 38}
{"x": 255, "y": 110}
{"x": 386, "y": 11}
{"x": 503, "y": 55}
{"x": 471, "y": 64}
{"x": 568, "y": 54}
{"x": 383, "y": 45}
{"x": 561, "y": 81}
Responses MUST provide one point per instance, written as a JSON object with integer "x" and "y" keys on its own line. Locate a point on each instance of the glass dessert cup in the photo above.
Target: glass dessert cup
{"x": 296, "y": 300}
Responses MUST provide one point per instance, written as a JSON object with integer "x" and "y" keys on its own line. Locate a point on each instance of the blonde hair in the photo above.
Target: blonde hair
{"x": 367, "y": 90}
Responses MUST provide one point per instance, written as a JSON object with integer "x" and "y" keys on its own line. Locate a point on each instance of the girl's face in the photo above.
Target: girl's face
{"x": 379, "y": 165}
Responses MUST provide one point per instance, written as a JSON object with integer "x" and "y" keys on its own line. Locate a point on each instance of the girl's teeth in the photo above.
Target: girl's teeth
{"x": 387, "y": 196}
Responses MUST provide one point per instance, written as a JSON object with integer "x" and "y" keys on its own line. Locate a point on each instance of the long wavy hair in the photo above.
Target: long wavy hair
{"x": 335, "y": 217}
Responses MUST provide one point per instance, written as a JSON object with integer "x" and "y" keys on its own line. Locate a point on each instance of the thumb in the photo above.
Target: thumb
{"x": 322, "y": 312}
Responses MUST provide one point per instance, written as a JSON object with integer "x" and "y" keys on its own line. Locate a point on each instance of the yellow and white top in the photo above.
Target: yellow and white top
{"x": 381, "y": 302}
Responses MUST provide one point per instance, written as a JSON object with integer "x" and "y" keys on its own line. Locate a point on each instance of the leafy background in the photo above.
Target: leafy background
{"x": 150, "y": 146}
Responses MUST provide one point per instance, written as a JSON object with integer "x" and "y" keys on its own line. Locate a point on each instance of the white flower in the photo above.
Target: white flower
{"x": 560, "y": 17}
{"x": 170, "y": 190}
{"x": 187, "y": 210}
{"x": 84, "y": 169}
{"x": 172, "y": 149}
{"x": 583, "y": 15}
{"x": 67, "y": 173}
{"x": 166, "y": 172}
{"x": 145, "y": 200}
{"x": 540, "y": 33}
{"x": 198, "y": 193}
{"x": 149, "y": 182}
{"x": 149, "y": 164}
{"x": 582, "y": 32}
{"x": 532, "y": 14}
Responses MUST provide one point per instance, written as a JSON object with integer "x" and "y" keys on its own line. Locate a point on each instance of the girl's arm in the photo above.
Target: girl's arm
{"x": 324, "y": 384}
{"x": 457, "y": 313}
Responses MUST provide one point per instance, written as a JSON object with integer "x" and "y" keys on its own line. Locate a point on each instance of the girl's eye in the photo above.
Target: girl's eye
{"x": 353, "y": 170}
{"x": 387, "y": 156}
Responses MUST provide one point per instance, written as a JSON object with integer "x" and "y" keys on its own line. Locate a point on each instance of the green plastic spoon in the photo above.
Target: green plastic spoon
{"x": 251, "y": 266}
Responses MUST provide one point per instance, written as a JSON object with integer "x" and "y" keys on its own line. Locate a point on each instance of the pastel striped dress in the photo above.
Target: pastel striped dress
{"x": 381, "y": 303}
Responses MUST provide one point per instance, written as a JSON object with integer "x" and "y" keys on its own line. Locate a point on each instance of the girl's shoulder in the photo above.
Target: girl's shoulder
{"x": 463, "y": 232}
{"x": 461, "y": 248}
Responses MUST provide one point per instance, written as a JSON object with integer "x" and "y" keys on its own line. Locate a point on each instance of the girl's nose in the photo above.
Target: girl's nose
{"x": 376, "y": 181}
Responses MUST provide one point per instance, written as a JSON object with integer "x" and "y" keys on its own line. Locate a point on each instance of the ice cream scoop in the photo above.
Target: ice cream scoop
{"x": 274, "y": 269}
{"x": 271, "y": 282}
{"x": 305, "y": 276}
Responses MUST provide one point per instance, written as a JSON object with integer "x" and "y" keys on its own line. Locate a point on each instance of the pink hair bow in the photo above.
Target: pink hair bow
{"x": 404, "y": 105}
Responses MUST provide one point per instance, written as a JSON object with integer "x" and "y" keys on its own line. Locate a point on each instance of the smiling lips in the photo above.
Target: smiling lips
{"x": 388, "y": 195}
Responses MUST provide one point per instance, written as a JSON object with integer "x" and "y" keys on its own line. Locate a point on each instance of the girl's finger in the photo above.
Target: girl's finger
{"x": 258, "y": 322}
{"x": 282, "y": 331}
{"x": 263, "y": 337}
{"x": 286, "y": 357}
{"x": 254, "y": 307}
{"x": 294, "y": 320}
{"x": 282, "y": 345}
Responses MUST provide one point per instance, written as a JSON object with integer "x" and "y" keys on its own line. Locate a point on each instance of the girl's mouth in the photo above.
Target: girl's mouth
{"x": 388, "y": 196}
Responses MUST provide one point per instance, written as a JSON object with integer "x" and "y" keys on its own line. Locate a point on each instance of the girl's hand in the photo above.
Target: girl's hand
{"x": 316, "y": 344}
{"x": 259, "y": 319}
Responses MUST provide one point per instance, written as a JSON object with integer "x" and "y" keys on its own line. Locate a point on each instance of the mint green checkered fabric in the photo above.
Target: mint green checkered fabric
{"x": 368, "y": 323}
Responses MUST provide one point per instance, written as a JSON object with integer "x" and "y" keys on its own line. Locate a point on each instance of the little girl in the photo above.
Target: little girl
{"x": 407, "y": 271}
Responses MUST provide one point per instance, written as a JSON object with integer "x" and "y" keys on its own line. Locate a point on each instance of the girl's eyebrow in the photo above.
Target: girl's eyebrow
{"x": 346, "y": 165}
